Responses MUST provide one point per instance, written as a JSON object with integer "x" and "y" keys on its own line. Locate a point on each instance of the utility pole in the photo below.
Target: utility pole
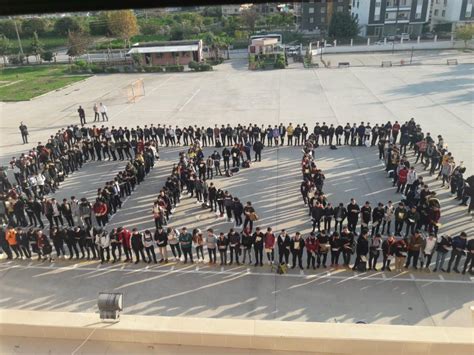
{"x": 18, "y": 37}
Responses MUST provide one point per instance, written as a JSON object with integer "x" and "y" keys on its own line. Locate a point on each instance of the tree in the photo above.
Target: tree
{"x": 36, "y": 46}
{"x": 280, "y": 20}
{"x": 98, "y": 25}
{"x": 122, "y": 24}
{"x": 249, "y": 18}
{"x": 343, "y": 25}
{"x": 32, "y": 25}
{"x": 7, "y": 28}
{"x": 5, "y": 47}
{"x": 65, "y": 25}
{"x": 77, "y": 43}
{"x": 465, "y": 33}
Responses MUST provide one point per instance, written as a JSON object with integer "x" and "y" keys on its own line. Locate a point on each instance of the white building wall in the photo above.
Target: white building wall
{"x": 360, "y": 9}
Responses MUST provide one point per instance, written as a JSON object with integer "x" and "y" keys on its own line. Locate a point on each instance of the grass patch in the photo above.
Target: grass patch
{"x": 20, "y": 84}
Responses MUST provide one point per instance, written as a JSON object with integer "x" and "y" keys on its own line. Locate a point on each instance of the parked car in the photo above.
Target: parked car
{"x": 390, "y": 38}
{"x": 403, "y": 36}
{"x": 428, "y": 35}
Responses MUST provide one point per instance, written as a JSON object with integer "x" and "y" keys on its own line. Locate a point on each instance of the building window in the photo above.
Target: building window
{"x": 323, "y": 10}
{"x": 445, "y": 2}
{"x": 443, "y": 13}
{"x": 311, "y": 20}
{"x": 323, "y": 19}
{"x": 340, "y": 9}
{"x": 436, "y": 12}
{"x": 377, "y": 17}
{"x": 311, "y": 10}
{"x": 357, "y": 4}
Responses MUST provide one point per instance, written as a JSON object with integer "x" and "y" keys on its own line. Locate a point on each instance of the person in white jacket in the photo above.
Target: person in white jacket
{"x": 149, "y": 244}
{"x": 102, "y": 240}
{"x": 76, "y": 215}
{"x": 412, "y": 176}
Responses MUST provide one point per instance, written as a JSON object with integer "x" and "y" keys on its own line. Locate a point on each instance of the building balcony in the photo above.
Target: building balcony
{"x": 401, "y": 8}
{"x": 387, "y": 22}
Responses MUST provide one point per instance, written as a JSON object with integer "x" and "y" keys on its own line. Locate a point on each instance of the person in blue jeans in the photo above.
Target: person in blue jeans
{"x": 442, "y": 248}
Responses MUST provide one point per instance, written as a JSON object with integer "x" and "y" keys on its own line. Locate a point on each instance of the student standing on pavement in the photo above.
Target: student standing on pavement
{"x": 82, "y": 115}
{"x": 103, "y": 111}
{"x": 24, "y": 132}
{"x": 96, "y": 112}
{"x": 459, "y": 245}
{"x": 296, "y": 247}
{"x": 283, "y": 242}
{"x": 185, "y": 241}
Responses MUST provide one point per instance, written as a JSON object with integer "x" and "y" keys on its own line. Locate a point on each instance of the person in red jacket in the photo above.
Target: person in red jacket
{"x": 269, "y": 245}
{"x": 124, "y": 236}
{"x": 312, "y": 247}
{"x": 402, "y": 179}
{"x": 100, "y": 211}
{"x": 395, "y": 129}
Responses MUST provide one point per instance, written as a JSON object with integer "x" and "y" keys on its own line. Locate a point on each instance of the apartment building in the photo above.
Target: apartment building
{"x": 380, "y": 18}
{"x": 316, "y": 14}
{"x": 451, "y": 12}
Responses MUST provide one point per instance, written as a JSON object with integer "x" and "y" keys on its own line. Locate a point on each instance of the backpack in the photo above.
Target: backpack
{"x": 228, "y": 173}
{"x": 218, "y": 144}
{"x": 333, "y": 147}
{"x": 234, "y": 170}
{"x": 281, "y": 269}
{"x": 246, "y": 164}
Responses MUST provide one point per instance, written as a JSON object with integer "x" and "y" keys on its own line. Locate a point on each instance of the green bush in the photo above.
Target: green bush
{"x": 174, "y": 68}
{"x": 47, "y": 56}
{"x": 81, "y": 63}
{"x": 154, "y": 69}
{"x": 97, "y": 69}
{"x": 193, "y": 65}
{"x": 204, "y": 67}
{"x": 213, "y": 61}
{"x": 112, "y": 70}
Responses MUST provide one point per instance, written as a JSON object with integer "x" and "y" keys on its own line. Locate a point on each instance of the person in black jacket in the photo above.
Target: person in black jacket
{"x": 222, "y": 244}
{"x": 137, "y": 245}
{"x": 340, "y": 214}
{"x": 116, "y": 244}
{"x": 235, "y": 152}
{"x": 247, "y": 242}
{"x": 336, "y": 245}
{"x": 257, "y": 148}
{"x": 469, "y": 257}
{"x": 234, "y": 243}
{"x": 296, "y": 247}
{"x": 238, "y": 210}
{"x": 323, "y": 249}
{"x": 328, "y": 215}
{"x": 283, "y": 242}
{"x": 226, "y": 157}
{"x": 377, "y": 216}
{"x": 258, "y": 246}
{"x": 347, "y": 242}
{"x": 361, "y": 251}
{"x": 353, "y": 210}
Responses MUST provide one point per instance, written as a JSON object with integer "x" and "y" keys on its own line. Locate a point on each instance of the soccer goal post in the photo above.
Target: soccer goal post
{"x": 135, "y": 90}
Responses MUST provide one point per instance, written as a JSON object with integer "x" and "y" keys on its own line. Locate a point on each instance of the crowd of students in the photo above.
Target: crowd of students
{"x": 418, "y": 210}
